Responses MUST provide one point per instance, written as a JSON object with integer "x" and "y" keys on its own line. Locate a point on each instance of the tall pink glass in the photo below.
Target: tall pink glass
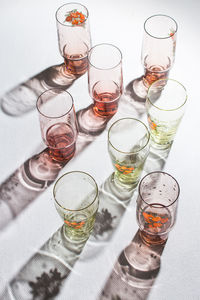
{"x": 158, "y": 51}
{"x": 58, "y": 123}
{"x": 74, "y": 37}
{"x": 105, "y": 79}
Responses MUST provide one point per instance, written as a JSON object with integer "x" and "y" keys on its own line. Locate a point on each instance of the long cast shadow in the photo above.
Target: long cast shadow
{"x": 138, "y": 265}
{"x": 22, "y": 98}
{"x": 113, "y": 203}
{"x": 43, "y": 275}
{"x": 134, "y": 272}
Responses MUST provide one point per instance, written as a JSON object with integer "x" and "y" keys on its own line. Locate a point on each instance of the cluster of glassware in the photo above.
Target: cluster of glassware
{"x": 129, "y": 139}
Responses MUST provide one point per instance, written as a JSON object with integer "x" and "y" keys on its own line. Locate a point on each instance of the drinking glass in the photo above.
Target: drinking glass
{"x": 157, "y": 206}
{"x": 165, "y": 106}
{"x": 105, "y": 79}
{"x": 76, "y": 200}
{"x": 58, "y": 123}
{"x": 158, "y": 50}
{"x": 74, "y": 38}
{"x": 128, "y": 146}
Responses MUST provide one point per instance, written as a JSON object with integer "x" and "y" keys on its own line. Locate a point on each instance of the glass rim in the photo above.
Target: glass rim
{"x": 133, "y": 152}
{"x": 173, "y": 109}
{"x": 51, "y": 117}
{"x": 160, "y": 15}
{"x": 161, "y": 172}
{"x": 81, "y": 209}
{"x": 66, "y": 4}
{"x": 107, "y": 44}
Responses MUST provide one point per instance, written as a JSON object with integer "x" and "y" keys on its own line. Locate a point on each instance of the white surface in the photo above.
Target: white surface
{"x": 29, "y": 45}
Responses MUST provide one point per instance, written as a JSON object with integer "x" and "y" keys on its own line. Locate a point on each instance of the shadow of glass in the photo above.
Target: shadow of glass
{"x": 43, "y": 275}
{"x": 137, "y": 102}
{"x": 136, "y": 93}
{"x": 23, "y": 97}
{"x": 156, "y": 160}
{"x": 25, "y": 184}
{"x": 134, "y": 273}
{"x": 113, "y": 202}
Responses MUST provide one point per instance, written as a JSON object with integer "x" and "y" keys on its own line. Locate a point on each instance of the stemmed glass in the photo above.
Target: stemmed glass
{"x": 158, "y": 51}
{"x": 105, "y": 79}
{"x": 58, "y": 123}
{"x": 74, "y": 37}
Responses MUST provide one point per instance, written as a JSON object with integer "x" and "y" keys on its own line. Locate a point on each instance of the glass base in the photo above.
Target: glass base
{"x": 66, "y": 74}
{"x": 63, "y": 247}
{"x": 153, "y": 240}
{"x": 158, "y": 146}
{"x": 74, "y": 239}
{"x": 43, "y": 275}
{"x": 122, "y": 193}
{"x": 38, "y": 172}
{"x": 126, "y": 186}
{"x": 89, "y": 123}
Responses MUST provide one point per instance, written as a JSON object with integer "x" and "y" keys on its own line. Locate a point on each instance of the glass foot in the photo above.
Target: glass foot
{"x": 89, "y": 123}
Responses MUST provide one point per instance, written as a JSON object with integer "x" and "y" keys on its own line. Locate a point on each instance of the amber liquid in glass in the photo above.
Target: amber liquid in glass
{"x": 76, "y": 64}
{"x": 105, "y": 103}
{"x": 151, "y": 239}
{"x": 154, "y": 73}
{"x": 156, "y": 226}
{"x": 61, "y": 140}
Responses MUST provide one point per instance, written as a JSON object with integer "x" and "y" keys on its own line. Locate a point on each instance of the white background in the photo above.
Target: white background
{"x": 28, "y": 45}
